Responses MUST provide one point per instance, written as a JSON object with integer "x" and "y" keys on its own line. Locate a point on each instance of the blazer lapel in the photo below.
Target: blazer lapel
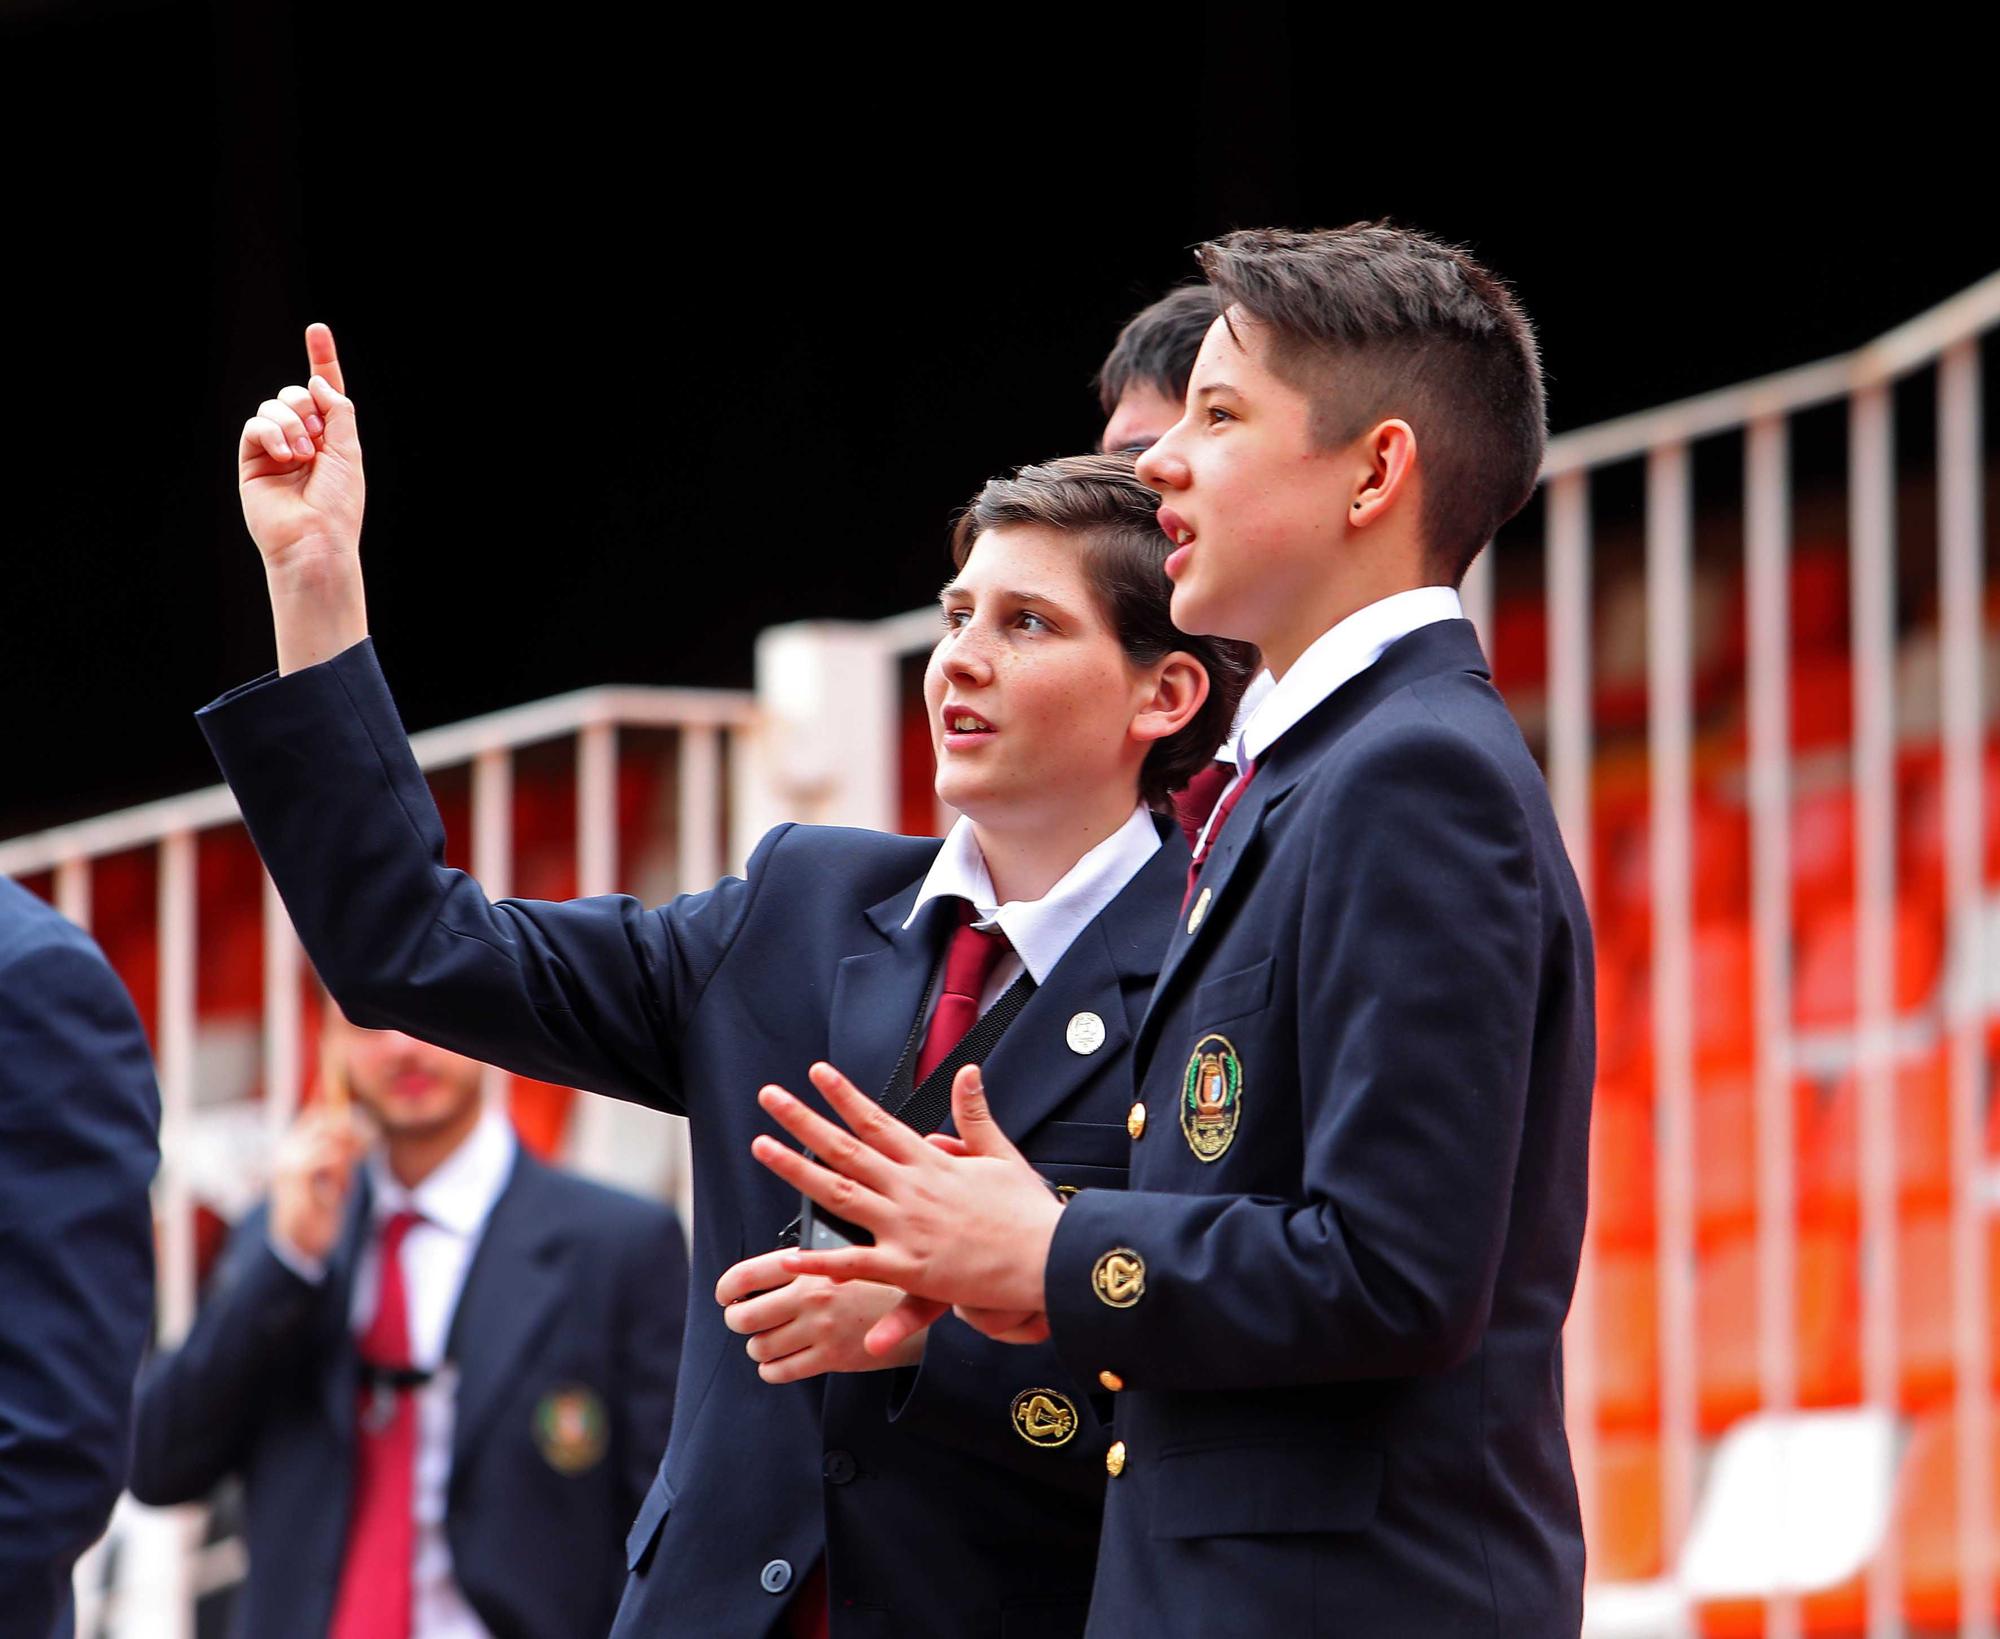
{"x": 511, "y": 1297}
{"x": 1107, "y": 971}
{"x": 876, "y": 994}
{"x": 1446, "y": 645}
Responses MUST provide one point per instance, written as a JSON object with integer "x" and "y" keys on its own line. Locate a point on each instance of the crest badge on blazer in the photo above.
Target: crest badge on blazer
{"x": 571, "y": 1429}
{"x": 1212, "y": 1097}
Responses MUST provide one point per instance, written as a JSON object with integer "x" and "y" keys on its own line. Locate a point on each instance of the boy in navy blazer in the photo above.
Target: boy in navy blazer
{"x": 958, "y": 1488}
{"x": 443, "y": 1371}
{"x": 1332, "y": 1300}
{"x": 79, "y": 1143}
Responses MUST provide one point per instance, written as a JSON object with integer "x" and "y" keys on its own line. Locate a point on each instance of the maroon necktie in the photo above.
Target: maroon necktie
{"x": 968, "y": 964}
{"x": 1206, "y": 846}
{"x": 375, "y": 1580}
{"x": 1195, "y": 801}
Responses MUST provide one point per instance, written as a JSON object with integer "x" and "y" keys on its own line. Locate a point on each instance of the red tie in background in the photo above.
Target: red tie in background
{"x": 1195, "y": 801}
{"x": 374, "y": 1601}
{"x": 1223, "y": 809}
{"x": 968, "y": 964}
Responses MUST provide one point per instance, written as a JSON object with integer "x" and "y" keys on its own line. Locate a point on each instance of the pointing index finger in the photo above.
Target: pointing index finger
{"x": 320, "y": 354}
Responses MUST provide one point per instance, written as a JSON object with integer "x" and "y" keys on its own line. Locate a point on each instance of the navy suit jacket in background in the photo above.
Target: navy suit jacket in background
{"x": 936, "y": 1514}
{"x": 79, "y": 1143}
{"x": 1358, "y": 1202}
{"x": 573, "y": 1298}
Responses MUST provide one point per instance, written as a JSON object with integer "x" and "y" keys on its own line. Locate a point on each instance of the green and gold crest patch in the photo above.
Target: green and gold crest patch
{"x": 1212, "y": 1097}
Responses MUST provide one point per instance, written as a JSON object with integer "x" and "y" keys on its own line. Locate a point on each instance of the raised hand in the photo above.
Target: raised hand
{"x": 298, "y": 468}
{"x": 802, "y": 1325}
{"x": 299, "y": 464}
{"x": 971, "y": 1229}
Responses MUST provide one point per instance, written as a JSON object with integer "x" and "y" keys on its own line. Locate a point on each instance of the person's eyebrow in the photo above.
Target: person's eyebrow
{"x": 956, "y": 590}
{"x": 1216, "y": 387}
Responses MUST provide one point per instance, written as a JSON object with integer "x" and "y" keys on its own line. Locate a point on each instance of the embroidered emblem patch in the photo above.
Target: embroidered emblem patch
{"x": 1211, "y": 1097}
{"x": 1044, "y": 1417}
{"x": 571, "y": 1430}
{"x": 1119, "y": 1277}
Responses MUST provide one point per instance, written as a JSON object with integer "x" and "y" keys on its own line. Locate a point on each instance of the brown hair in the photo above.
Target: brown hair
{"x": 1376, "y": 321}
{"x": 1158, "y": 345}
{"x": 1111, "y": 514}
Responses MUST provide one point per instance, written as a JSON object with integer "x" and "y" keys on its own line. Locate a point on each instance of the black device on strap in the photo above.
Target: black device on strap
{"x": 922, "y": 1107}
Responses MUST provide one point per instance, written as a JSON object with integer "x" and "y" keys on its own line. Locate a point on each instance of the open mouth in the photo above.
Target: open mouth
{"x": 964, "y": 728}
{"x": 1178, "y": 530}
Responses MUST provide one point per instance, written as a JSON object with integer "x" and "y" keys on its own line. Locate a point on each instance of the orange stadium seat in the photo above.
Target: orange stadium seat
{"x": 1829, "y": 1177}
{"x": 1927, "y": 1522}
{"x": 1627, "y": 1545}
{"x": 1621, "y": 1166}
{"x": 1726, "y": 1312}
{"x": 1628, "y": 1330}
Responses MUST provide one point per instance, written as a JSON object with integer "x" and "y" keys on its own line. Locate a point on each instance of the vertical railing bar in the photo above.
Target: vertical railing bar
{"x": 597, "y": 809}
{"x": 1475, "y": 596}
{"x": 1669, "y": 597}
{"x": 176, "y": 1051}
{"x": 1871, "y": 526}
{"x": 493, "y": 859}
{"x": 1566, "y": 576}
{"x": 1766, "y": 568}
{"x": 1962, "y": 596}
{"x": 281, "y": 1015}
{"x": 73, "y": 890}
{"x": 700, "y": 785}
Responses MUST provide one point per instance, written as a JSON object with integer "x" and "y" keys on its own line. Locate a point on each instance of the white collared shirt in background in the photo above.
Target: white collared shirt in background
{"x": 455, "y": 1202}
{"x": 1038, "y": 930}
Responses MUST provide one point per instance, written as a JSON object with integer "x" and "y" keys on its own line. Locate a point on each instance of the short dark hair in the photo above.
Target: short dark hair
{"x": 1158, "y": 344}
{"x": 1375, "y": 320}
{"x": 1097, "y": 500}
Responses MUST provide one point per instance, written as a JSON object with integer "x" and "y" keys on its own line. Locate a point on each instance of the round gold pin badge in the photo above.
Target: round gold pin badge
{"x": 1119, "y": 1277}
{"x": 1212, "y": 1097}
{"x": 1044, "y": 1417}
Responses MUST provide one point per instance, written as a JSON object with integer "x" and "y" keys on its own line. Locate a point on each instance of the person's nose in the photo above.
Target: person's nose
{"x": 967, "y": 659}
{"x": 1163, "y": 467}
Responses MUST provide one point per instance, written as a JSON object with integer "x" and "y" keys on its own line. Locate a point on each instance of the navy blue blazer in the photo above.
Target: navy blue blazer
{"x": 572, "y": 1304}
{"x": 961, "y": 1498}
{"x": 79, "y": 1143}
{"x": 1335, "y": 1291}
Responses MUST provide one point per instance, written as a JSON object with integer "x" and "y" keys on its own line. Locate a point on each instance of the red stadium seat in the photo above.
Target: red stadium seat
{"x": 1824, "y": 987}
{"x": 1927, "y": 1523}
{"x": 1628, "y": 1330}
{"x": 1726, "y": 1311}
{"x": 1829, "y": 1179}
{"x": 1621, "y": 1166}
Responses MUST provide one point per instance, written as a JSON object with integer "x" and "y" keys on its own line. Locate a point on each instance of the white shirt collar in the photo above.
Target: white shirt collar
{"x": 1040, "y": 930}
{"x": 1338, "y": 655}
{"x": 461, "y": 1189}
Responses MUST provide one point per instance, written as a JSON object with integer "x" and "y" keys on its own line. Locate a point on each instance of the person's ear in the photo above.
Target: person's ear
{"x": 1180, "y": 685}
{"x": 1388, "y": 462}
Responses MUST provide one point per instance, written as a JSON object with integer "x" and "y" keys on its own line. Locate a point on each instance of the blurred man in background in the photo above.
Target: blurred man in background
{"x": 443, "y": 1370}
{"x": 79, "y": 1143}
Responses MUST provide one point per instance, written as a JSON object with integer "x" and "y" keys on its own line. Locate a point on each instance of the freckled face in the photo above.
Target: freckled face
{"x": 1257, "y": 506}
{"x": 1031, "y": 695}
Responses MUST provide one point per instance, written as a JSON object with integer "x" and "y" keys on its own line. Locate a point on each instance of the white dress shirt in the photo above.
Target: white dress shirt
{"x": 1338, "y": 655}
{"x": 1038, "y": 930}
{"x": 455, "y": 1201}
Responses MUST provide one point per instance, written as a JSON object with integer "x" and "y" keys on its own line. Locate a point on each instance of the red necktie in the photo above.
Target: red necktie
{"x": 375, "y": 1581}
{"x": 1195, "y": 801}
{"x": 1206, "y": 846}
{"x": 968, "y": 964}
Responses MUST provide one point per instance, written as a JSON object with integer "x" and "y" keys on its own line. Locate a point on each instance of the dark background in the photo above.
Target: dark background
{"x": 664, "y": 327}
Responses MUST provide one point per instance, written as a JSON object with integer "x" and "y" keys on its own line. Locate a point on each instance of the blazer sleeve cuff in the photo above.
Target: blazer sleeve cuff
{"x": 1099, "y": 1321}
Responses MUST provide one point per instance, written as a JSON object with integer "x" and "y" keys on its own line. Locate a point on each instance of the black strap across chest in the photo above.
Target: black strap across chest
{"x": 925, "y": 1107}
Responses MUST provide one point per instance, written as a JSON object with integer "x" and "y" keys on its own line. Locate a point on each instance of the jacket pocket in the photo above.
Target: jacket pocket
{"x": 1233, "y": 995}
{"x": 652, "y": 1515}
{"x": 1266, "y": 1486}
